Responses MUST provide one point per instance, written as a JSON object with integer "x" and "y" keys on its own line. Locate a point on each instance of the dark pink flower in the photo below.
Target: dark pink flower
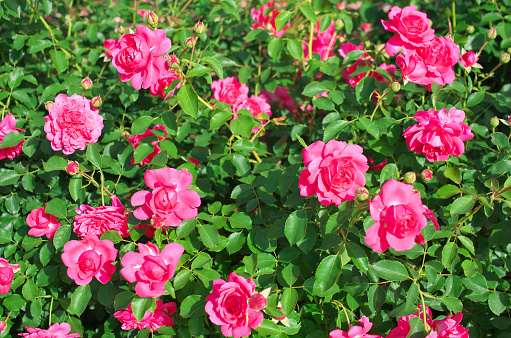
{"x": 449, "y": 327}
{"x": 257, "y": 302}
{"x": 440, "y": 55}
{"x": 152, "y": 320}
{"x": 57, "y": 330}
{"x": 256, "y": 105}
{"x": 7, "y": 125}
{"x": 109, "y": 46}
{"x": 6, "y": 275}
{"x": 413, "y": 68}
{"x": 136, "y": 139}
{"x": 42, "y": 223}
{"x": 469, "y": 59}
{"x": 166, "y": 77}
{"x": 366, "y": 27}
{"x": 268, "y": 21}
{"x": 356, "y": 331}
{"x": 403, "y": 323}
{"x": 72, "y": 168}
{"x": 229, "y": 90}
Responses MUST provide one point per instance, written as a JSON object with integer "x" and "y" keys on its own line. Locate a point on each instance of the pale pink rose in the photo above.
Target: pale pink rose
{"x": 438, "y": 135}
{"x": 323, "y": 43}
{"x": 7, "y": 125}
{"x": 42, "y": 223}
{"x": 413, "y": 68}
{"x": 281, "y": 96}
{"x": 6, "y": 275}
{"x": 356, "y": 331}
{"x": 227, "y": 306}
{"x": 268, "y": 21}
{"x": 57, "y": 330}
{"x": 169, "y": 199}
{"x": 256, "y": 105}
{"x": 150, "y": 268}
{"x": 137, "y": 57}
{"x": 135, "y": 140}
{"x": 398, "y": 215}
{"x": 469, "y": 59}
{"x": 72, "y": 123}
{"x": 152, "y": 320}
{"x": 109, "y": 46}
{"x": 334, "y": 171}
{"x": 96, "y": 221}
{"x": 167, "y": 76}
{"x": 229, "y": 90}
{"x": 89, "y": 258}
{"x": 449, "y": 327}
{"x": 403, "y": 323}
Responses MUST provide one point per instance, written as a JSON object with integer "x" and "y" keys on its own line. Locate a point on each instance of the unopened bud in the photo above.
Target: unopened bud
{"x": 491, "y": 34}
{"x": 48, "y": 104}
{"x": 470, "y": 30}
{"x": 395, "y": 86}
{"x": 172, "y": 61}
{"x": 362, "y": 194}
{"x": 427, "y": 175}
{"x": 339, "y": 24}
{"x": 257, "y": 302}
{"x": 409, "y": 177}
{"x": 96, "y": 102}
{"x": 2, "y": 326}
{"x": 86, "y": 84}
{"x": 509, "y": 50}
{"x": 122, "y": 30}
{"x": 152, "y": 19}
{"x": 199, "y": 27}
{"x": 72, "y": 168}
{"x": 494, "y": 121}
{"x": 190, "y": 42}
{"x": 504, "y": 58}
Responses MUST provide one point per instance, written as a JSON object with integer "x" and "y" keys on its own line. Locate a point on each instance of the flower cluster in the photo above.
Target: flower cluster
{"x": 57, "y": 330}
{"x": 41, "y": 223}
{"x": 356, "y": 331}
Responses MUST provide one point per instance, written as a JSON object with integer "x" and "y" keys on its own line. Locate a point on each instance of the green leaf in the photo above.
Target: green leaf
{"x": 327, "y": 272}
{"x": 220, "y": 117}
{"x": 467, "y": 243}
{"x": 240, "y": 220}
{"x": 290, "y": 273}
{"x": 352, "y": 56}
{"x": 199, "y": 70}
{"x": 416, "y": 328}
{"x": 217, "y": 67}
{"x": 191, "y": 304}
{"x": 497, "y": 302}
{"x": 274, "y": 47}
{"x": 15, "y": 78}
{"x": 314, "y": 88}
{"x": 111, "y": 235}
{"x": 181, "y": 279}
{"x": 390, "y": 270}
{"x": 348, "y": 23}
{"x": 454, "y": 174}
{"x": 235, "y": 242}
{"x": 323, "y": 103}
{"x": 470, "y": 268}
{"x": 325, "y": 22}
{"x": 289, "y": 300}
{"x": 282, "y": 19}
{"x": 474, "y": 99}
{"x": 123, "y": 300}
{"x": 447, "y": 191}
{"x": 141, "y": 124}
{"x": 106, "y": 294}
{"x": 308, "y": 12}
{"x": 243, "y": 126}
{"x": 141, "y": 305}
{"x": 143, "y": 150}
{"x": 80, "y": 299}
{"x": 295, "y": 48}
{"x": 75, "y": 185}
{"x": 188, "y": 100}
{"x": 93, "y": 155}
{"x": 449, "y": 253}
{"x": 242, "y": 164}
{"x": 29, "y": 290}
{"x": 500, "y": 140}
{"x": 46, "y": 275}
{"x": 388, "y": 172}
{"x": 208, "y": 235}
{"x": 296, "y": 225}
{"x": 55, "y": 163}
{"x": 369, "y": 126}
{"x": 57, "y": 208}
{"x": 59, "y": 59}
{"x": 268, "y": 327}
{"x": 365, "y": 89}
{"x": 462, "y": 205}
{"x": 39, "y": 45}
{"x": 14, "y": 302}
{"x": 8, "y": 177}
{"x": 453, "y": 304}
{"x": 62, "y": 236}
{"x": 358, "y": 256}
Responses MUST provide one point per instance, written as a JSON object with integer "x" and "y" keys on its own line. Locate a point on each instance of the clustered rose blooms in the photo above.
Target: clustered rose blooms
{"x": 57, "y": 330}
{"x": 425, "y": 58}
{"x": 42, "y": 223}
{"x": 229, "y": 90}
{"x": 268, "y": 21}
{"x": 356, "y": 331}
{"x": 227, "y": 306}
{"x": 96, "y": 221}
{"x": 135, "y": 140}
{"x": 6, "y": 275}
{"x": 72, "y": 123}
{"x": 170, "y": 201}
{"x": 7, "y": 125}
{"x": 89, "y": 258}
{"x": 399, "y": 216}
{"x": 151, "y": 320}
{"x": 334, "y": 171}
{"x": 323, "y": 42}
{"x": 150, "y": 268}
{"x": 438, "y": 135}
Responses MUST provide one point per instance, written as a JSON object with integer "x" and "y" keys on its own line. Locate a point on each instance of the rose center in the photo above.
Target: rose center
{"x": 5, "y": 276}
{"x": 165, "y": 198}
{"x": 154, "y": 271}
{"x": 401, "y": 221}
{"x": 89, "y": 261}
{"x": 414, "y": 23}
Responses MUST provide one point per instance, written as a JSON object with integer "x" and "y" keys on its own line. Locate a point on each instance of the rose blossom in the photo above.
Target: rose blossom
{"x": 334, "y": 171}
{"x": 268, "y": 21}
{"x": 72, "y": 123}
{"x": 137, "y": 56}
{"x": 57, "y": 330}
{"x": 229, "y": 90}
{"x": 42, "y": 223}
{"x": 468, "y": 59}
{"x": 256, "y": 105}
{"x": 438, "y": 135}
{"x": 6, "y": 275}
{"x": 413, "y": 68}
{"x": 7, "y": 125}
{"x": 135, "y": 139}
{"x": 403, "y": 323}
{"x": 440, "y": 55}
{"x": 166, "y": 77}
{"x": 227, "y": 306}
{"x": 72, "y": 168}
{"x": 95, "y": 221}
{"x": 356, "y": 331}
{"x": 152, "y": 320}
{"x": 170, "y": 200}
{"x": 89, "y": 258}
{"x": 150, "y": 268}
{"x": 109, "y": 46}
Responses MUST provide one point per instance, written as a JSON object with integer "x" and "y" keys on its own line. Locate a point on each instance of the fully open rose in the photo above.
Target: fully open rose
{"x": 42, "y": 223}
{"x": 6, "y": 275}
{"x": 229, "y": 90}
{"x": 57, "y": 330}
{"x": 356, "y": 331}
{"x": 152, "y": 320}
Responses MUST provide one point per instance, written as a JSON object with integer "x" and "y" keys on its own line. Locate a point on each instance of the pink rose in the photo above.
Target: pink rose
{"x": 7, "y": 125}
{"x": 379, "y": 166}
{"x": 152, "y": 320}
{"x": 323, "y": 43}
{"x": 150, "y": 268}
{"x": 256, "y": 105}
{"x": 95, "y": 221}
{"x": 137, "y": 56}
{"x": 431, "y": 216}
{"x": 398, "y": 215}
{"x": 42, "y": 223}
{"x": 227, "y": 306}
{"x": 166, "y": 77}
{"x": 413, "y": 68}
{"x": 449, "y": 327}
{"x": 440, "y": 55}
{"x": 72, "y": 168}
{"x": 57, "y": 330}
{"x": 469, "y": 59}
{"x": 268, "y": 21}
{"x": 135, "y": 139}
{"x": 109, "y": 46}
{"x": 438, "y": 135}
{"x": 257, "y": 302}
{"x": 334, "y": 171}
{"x": 229, "y": 90}
{"x": 89, "y": 258}
{"x": 3, "y": 325}
{"x": 356, "y": 331}
{"x": 403, "y": 323}
{"x": 170, "y": 198}
{"x": 6, "y": 275}
{"x": 281, "y": 96}
{"x": 72, "y": 123}
{"x": 366, "y": 27}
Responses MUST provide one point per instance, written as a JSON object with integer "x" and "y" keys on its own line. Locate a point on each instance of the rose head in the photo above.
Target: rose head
{"x": 229, "y": 90}
{"x": 150, "y": 268}
{"x": 6, "y": 275}
{"x": 57, "y": 330}
{"x": 135, "y": 139}
{"x": 95, "y": 221}
{"x": 268, "y": 21}
{"x": 109, "y": 46}
{"x": 152, "y": 320}
{"x": 257, "y": 302}
{"x": 440, "y": 55}
{"x": 256, "y": 105}
{"x": 72, "y": 168}
{"x": 227, "y": 306}
{"x": 469, "y": 59}
{"x": 403, "y": 323}
{"x": 334, "y": 171}
{"x": 137, "y": 56}
{"x": 356, "y": 331}
{"x": 72, "y": 123}
{"x": 413, "y": 68}
{"x": 7, "y": 125}
{"x": 169, "y": 199}
{"x": 42, "y": 223}
{"x": 438, "y": 135}
{"x": 89, "y": 258}
{"x": 449, "y": 327}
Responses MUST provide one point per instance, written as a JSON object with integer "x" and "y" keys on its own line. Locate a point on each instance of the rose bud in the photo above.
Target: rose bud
{"x": 96, "y": 102}
{"x": 509, "y": 50}
{"x": 427, "y": 175}
{"x": 257, "y": 302}
{"x": 491, "y": 34}
{"x": 152, "y": 20}
{"x": 494, "y": 121}
{"x": 199, "y": 27}
{"x": 395, "y": 86}
{"x": 469, "y": 59}
{"x": 86, "y": 84}
{"x": 72, "y": 168}
{"x": 190, "y": 42}
{"x": 409, "y": 177}
{"x": 172, "y": 61}
{"x": 365, "y": 27}
{"x": 470, "y": 30}
{"x": 48, "y": 104}
{"x": 362, "y": 194}
{"x": 2, "y": 326}
{"x": 504, "y": 58}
